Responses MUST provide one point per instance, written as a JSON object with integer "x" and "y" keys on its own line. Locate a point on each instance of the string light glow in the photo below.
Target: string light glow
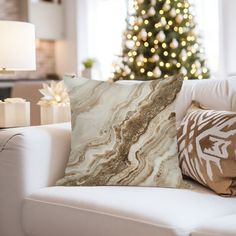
{"x": 153, "y": 50}
{"x": 162, "y": 63}
{"x": 160, "y": 41}
{"x": 164, "y": 45}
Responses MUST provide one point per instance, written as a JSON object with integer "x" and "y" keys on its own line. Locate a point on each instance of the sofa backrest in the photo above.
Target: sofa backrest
{"x": 232, "y": 92}
{"x": 213, "y": 94}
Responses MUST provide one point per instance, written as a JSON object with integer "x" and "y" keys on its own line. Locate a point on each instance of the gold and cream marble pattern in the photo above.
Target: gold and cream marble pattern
{"x": 123, "y": 134}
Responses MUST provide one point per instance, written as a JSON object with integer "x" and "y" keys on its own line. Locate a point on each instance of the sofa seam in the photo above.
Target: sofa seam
{"x": 5, "y": 142}
{"x": 110, "y": 214}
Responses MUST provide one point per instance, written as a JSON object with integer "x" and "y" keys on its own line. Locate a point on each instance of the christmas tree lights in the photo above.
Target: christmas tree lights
{"x": 160, "y": 41}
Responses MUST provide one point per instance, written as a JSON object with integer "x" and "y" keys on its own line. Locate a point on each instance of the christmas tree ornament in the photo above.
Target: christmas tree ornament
{"x": 163, "y": 21}
{"x": 153, "y": 2}
{"x": 183, "y": 70}
{"x": 143, "y": 34}
{"x": 139, "y": 20}
{"x": 127, "y": 70}
{"x": 174, "y": 44}
{"x": 198, "y": 64}
{"x": 124, "y": 74}
{"x": 126, "y": 59}
{"x": 151, "y": 11}
{"x": 166, "y": 7}
{"x": 183, "y": 53}
{"x": 161, "y": 36}
{"x": 199, "y": 71}
{"x": 130, "y": 44}
{"x": 140, "y": 58}
{"x": 172, "y": 13}
{"x": 132, "y": 20}
{"x": 175, "y": 62}
{"x": 154, "y": 58}
{"x": 157, "y": 72}
{"x": 179, "y": 18}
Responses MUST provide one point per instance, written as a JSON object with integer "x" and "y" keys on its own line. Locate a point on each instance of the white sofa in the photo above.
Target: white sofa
{"x": 32, "y": 159}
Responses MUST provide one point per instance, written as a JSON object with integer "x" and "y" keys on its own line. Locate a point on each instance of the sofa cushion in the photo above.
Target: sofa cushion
{"x": 207, "y": 143}
{"x": 123, "y": 135}
{"x": 30, "y": 158}
{"x": 222, "y": 226}
{"x": 121, "y": 211}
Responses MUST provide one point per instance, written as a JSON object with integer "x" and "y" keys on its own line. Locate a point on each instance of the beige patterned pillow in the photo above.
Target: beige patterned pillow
{"x": 207, "y": 148}
{"x": 123, "y": 134}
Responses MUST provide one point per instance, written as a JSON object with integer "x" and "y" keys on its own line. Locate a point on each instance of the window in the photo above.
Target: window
{"x": 106, "y": 24}
{"x": 208, "y": 21}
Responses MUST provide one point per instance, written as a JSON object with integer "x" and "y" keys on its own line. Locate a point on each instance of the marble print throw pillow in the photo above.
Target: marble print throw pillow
{"x": 207, "y": 144}
{"x": 123, "y": 134}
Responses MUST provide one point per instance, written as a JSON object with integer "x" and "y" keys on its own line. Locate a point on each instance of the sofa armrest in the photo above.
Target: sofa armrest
{"x": 30, "y": 158}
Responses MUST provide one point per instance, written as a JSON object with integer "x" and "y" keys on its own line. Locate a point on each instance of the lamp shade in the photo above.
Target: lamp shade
{"x": 17, "y": 46}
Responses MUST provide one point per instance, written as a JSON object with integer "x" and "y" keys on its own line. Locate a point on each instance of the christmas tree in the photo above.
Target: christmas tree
{"x": 161, "y": 41}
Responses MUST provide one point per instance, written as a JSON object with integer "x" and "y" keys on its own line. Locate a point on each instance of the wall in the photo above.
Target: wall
{"x": 9, "y": 10}
{"x": 70, "y": 52}
{"x": 67, "y": 50}
{"x": 45, "y": 50}
{"x": 64, "y": 56}
{"x": 82, "y": 31}
{"x": 228, "y": 37}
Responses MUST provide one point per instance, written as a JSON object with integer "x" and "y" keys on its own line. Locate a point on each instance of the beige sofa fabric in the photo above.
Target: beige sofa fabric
{"x": 220, "y": 226}
{"x": 212, "y": 93}
{"x": 30, "y": 159}
{"x": 121, "y": 211}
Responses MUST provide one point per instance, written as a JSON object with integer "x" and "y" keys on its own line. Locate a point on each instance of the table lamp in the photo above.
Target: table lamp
{"x": 17, "y": 46}
{"x": 17, "y": 53}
